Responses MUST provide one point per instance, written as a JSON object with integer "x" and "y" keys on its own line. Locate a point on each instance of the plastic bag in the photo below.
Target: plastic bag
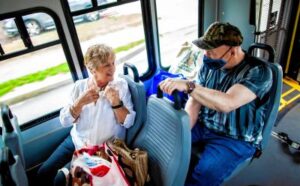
{"x": 160, "y": 76}
{"x": 96, "y": 165}
{"x": 187, "y": 61}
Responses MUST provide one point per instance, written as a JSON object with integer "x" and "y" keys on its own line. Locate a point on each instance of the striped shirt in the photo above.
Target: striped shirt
{"x": 245, "y": 123}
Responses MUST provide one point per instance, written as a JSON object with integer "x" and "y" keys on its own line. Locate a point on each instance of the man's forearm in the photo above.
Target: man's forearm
{"x": 192, "y": 108}
{"x": 212, "y": 99}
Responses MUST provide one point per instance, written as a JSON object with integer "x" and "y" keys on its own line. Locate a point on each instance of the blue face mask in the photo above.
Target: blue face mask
{"x": 215, "y": 64}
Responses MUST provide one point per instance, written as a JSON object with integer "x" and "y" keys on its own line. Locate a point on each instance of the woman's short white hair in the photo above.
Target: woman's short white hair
{"x": 97, "y": 55}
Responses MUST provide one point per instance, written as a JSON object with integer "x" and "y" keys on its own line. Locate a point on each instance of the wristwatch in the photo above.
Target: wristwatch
{"x": 190, "y": 86}
{"x": 118, "y": 106}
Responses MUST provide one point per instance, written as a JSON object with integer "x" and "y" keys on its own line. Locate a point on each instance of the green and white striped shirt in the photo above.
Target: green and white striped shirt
{"x": 245, "y": 123}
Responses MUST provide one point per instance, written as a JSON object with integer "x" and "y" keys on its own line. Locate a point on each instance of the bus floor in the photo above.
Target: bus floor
{"x": 279, "y": 165}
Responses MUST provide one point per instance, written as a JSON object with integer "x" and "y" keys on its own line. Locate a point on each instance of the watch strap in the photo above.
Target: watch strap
{"x": 118, "y": 106}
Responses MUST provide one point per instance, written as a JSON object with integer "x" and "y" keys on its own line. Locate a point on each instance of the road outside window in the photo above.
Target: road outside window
{"x": 177, "y": 24}
{"x": 122, "y": 28}
{"x": 30, "y": 83}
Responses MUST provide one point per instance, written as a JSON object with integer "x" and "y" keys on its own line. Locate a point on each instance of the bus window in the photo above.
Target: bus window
{"x": 120, "y": 27}
{"x": 33, "y": 76}
{"x": 177, "y": 23}
{"x": 103, "y": 2}
{"x": 8, "y": 42}
{"x": 40, "y": 27}
{"x": 76, "y": 5}
{"x": 79, "y": 4}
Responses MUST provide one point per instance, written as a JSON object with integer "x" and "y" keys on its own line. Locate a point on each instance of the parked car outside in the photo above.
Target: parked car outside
{"x": 39, "y": 22}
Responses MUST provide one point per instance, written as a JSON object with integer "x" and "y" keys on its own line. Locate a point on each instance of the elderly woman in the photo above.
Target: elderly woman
{"x": 100, "y": 108}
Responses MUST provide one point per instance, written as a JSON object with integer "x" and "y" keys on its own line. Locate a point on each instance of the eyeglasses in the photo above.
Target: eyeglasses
{"x": 225, "y": 53}
{"x": 214, "y": 53}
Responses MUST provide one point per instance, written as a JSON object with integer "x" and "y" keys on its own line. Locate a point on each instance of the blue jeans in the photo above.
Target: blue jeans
{"x": 221, "y": 155}
{"x": 47, "y": 174}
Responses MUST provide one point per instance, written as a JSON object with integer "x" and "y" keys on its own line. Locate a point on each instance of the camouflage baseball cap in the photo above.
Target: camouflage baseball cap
{"x": 219, "y": 34}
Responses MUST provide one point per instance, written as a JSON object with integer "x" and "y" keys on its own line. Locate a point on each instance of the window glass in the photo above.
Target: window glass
{"x": 30, "y": 83}
{"x": 76, "y": 5}
{"x": 177, "y": 23}
{"x": 264, "y": 15}
{"x": 121, "y": 28}
{"x": 274, "y": 16}
{"x": 41, "y": 28}
{"x": 103, "y": 2}
{"x": 9, "y": 36}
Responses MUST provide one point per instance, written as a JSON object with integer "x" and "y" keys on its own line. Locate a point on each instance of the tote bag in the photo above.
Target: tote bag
{"x": 97, "y": 166}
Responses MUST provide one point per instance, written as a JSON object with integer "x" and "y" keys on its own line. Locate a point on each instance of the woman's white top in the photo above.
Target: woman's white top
{"x": 97, "y": 122}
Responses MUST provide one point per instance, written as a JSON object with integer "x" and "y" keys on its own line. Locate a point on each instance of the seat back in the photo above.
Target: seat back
{"x": 273, "y": 102}
{"x": 274, "y": 93}
{"x": 166, "y": 136}
{"x": 138, "y": 95}
{"x": 11, "y": 132}
{"x": 12, "y": 164}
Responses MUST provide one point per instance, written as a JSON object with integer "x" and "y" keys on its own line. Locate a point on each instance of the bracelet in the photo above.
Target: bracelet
{"x": 118, "y": 106}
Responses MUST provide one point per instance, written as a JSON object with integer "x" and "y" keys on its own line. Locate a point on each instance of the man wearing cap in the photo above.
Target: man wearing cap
{"x": 225, "y": 105}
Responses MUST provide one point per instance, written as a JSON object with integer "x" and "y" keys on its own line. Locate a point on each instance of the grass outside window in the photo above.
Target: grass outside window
{"x": 42, "y": 75}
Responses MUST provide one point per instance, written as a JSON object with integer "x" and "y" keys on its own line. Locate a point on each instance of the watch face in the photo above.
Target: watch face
{"x": 191, "y": 86}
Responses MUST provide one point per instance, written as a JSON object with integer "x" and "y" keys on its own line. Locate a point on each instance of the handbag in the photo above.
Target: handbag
{"x": 134, "y": 162}
{"x": 96, "y": 165}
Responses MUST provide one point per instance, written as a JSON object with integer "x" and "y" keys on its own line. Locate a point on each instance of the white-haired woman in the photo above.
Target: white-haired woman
{"x": 100, "y": 108}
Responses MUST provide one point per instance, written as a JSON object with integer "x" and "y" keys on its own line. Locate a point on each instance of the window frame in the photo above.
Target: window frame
{"x": 150, "y": 30}
{"x": 30, "y": 48}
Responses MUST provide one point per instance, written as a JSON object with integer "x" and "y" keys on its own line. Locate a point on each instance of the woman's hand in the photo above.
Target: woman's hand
{"x": 89, "y": 96}
{"x": 112, "y": 95}
{"x": 169, "y": 85}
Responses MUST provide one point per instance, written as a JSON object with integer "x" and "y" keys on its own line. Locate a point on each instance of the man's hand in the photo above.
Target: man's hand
{"x": 169, "y": 85}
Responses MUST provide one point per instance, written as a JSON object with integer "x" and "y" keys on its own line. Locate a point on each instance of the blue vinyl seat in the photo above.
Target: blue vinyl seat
{"x": 166, "y": 136}
{"x": 12, "y": 136}
{"x": 11, "y": 152}
{"x": 274, "y": 102}
{"x": 138, "y": 96}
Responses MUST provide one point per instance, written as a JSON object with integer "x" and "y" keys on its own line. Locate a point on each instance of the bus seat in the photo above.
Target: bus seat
{"x": 138, "y": 96}
{"x": 12, "y": 171}
{"x": 166, "y": 136}
{"x": 274, "y": 102}
{"x": 275, "y": 91}
{"x": 11, "y": 132}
